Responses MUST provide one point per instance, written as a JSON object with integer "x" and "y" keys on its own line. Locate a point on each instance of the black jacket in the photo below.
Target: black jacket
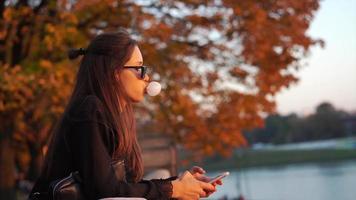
{"x": 86, "y": 144}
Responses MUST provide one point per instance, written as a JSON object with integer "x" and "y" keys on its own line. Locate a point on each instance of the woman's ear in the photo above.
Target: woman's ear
{"x": 117, "y": 75}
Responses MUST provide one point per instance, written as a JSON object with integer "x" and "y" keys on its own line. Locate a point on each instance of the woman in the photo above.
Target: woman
{"x": 98, "y": 127}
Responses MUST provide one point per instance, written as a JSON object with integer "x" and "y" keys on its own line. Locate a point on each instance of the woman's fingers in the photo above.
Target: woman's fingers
{"x": 197, "y": 169}
{"x": 202, "y": 193}
{"x": 202, "y": 186}
{"x": 207, "y": 186}
{"x": 219, "y": 182}
{"x": 208, "y": 193}
{"x": 201, "y": 177}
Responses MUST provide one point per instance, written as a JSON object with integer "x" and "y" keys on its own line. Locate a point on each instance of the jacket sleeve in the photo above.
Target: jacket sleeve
{"x": 91, "y": 157}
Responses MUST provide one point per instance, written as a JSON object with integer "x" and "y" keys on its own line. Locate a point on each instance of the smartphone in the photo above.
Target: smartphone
{"x": 218, "y": 177}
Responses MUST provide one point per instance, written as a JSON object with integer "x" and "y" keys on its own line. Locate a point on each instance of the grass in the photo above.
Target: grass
{"x": 265, "y": 158}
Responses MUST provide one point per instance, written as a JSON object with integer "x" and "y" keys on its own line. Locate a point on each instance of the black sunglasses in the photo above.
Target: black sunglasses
{"x": 141, "y": 70}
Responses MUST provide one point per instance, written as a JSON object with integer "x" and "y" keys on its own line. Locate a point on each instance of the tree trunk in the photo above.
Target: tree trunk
{"x": 35, "y": 163}
{"x": 7, "y": 170}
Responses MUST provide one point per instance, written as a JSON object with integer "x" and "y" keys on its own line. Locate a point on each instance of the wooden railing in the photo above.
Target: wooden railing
{"x": 158, "y": 153}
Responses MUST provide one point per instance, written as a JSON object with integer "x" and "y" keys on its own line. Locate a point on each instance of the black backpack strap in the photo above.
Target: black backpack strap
{"x": 39, "y": 196}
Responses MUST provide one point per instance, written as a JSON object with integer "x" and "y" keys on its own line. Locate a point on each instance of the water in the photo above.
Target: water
{"x": 332, "y": 181}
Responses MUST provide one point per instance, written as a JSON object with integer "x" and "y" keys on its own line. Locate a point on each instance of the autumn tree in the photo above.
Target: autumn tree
{"x": 35, "y": 82}
{"x": 220, "y": 63}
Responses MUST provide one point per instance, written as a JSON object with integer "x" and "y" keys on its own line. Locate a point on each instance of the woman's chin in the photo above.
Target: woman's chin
{"x": 137, "y": 99}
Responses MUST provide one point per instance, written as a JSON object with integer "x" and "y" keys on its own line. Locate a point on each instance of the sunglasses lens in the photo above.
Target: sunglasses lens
{"x": 143, "y": 72}
{"x": 140, "y": 71}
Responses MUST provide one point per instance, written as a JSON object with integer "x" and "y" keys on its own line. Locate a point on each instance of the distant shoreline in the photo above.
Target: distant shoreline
{"x": 249, "y": 158}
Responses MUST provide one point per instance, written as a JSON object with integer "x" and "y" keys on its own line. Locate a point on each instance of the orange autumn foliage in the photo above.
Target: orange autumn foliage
{"x": 220, "y": 64}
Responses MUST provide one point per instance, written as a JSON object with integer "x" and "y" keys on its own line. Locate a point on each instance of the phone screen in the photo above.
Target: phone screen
{"x": 220, "y": 176}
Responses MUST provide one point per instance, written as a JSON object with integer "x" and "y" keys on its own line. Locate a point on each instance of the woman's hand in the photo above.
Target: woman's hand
{"x": 199, "y": 172}
{"x": 188, "y": 187}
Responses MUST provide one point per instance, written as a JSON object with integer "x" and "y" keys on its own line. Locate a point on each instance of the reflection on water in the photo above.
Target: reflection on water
{"x": 332, "y": 181}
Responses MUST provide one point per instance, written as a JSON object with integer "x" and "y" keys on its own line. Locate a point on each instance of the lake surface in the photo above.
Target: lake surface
{"x": 324, "y": 181}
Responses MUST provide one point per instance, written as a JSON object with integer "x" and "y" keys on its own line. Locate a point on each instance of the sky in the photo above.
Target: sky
{"x": 330, "y": 75}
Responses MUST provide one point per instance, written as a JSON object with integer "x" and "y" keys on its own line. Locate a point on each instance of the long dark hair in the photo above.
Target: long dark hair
{"x": 104, "y": 57}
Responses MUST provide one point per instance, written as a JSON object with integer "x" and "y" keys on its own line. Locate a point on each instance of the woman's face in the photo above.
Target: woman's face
{"x": 134, "y": 86}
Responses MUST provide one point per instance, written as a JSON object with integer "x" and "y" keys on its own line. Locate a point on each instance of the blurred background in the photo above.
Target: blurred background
{"x": 263, "y": 89}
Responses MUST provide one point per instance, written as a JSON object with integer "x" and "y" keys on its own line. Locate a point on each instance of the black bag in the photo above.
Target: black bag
{"x": 68, "y": 188}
